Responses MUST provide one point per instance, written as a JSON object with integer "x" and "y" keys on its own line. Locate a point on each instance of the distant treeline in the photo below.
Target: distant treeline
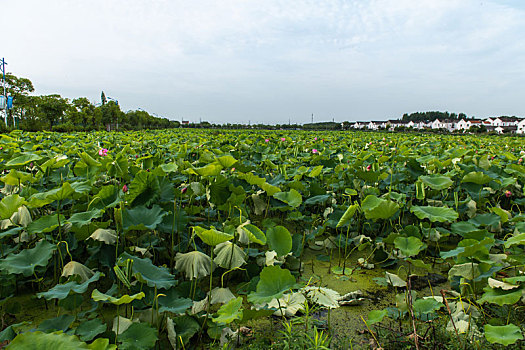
{"x": 431, "y": 116}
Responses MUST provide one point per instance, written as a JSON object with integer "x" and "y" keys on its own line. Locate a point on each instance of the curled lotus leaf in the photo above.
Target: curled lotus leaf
{"x": 107, "y": 236}
{"x": 378, "y": 208}
{"x": 76, "y": 268}
{"x": 125, "y": 299}
{"x": 229, "y": 255}
{"x": 273, "y": 283}
{"x": 325, "y": 297}
{"x": 194, "y": 264}
{"x": 212, "y": 237}
{"x": 230, "y": 311}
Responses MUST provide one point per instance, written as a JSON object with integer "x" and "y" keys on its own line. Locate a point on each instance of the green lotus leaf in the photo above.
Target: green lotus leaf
{"x": 279, "y": 239}
{"x": 477, "y": 178}
{"x": 292, "y": 198}
{"x": 504, "y": 335}
{"x": 376, "y": 316}
{"x": 229, "y": 255}
{"x": 61, "y": 291}
{"x": 107, "y": 236}
{"x": 23, "y": 159}
{"x": 254, "y": 234}
{"x": 515, "y": 240}
{"x": 500, "y": 297}
{"x": 463, "y": 227}
{"x": 107, "y": 197}
{"x": 273, "y": 283}
{"x": 434, "y": 214}
{"x": 194, "y": 264}
{"x": 185, "y": 328}
{"x": 503, "y": 214}
{"x": 426, "y": 306}
{"x": 88, "y": 330}
{"x": 75, "y": 268}
{"x": 144, "y": 189}
{"x": 41, "y": 340}
{"x": 229, "y": 312}
{"x": 316, "y": 171}
{"x": 85, "y": 218}
{"x": 437, "y": 182}
{"x": 487, "y": 219}
{"x": 146, "y": 272}
{"x": 142, "y": 218}
{"x": 212, "y": 237}
{"x": 378, "y": 208}
{"x": 139, "y": 336}
{"x": 60, "y": 323}
{"x": 409, "y": 246}
{"x": 212, "y": 169}
{"x": 125, "y": 299}
{"x": 175, "y": 305}
{"x": 317, "y": 200}
{"x": 102, "y": 344}
{"x": 9, "y": 205}
{"x": 25, "y": 262}
{"x": 227, "y": 161}
{"x": 349, "y": 213}
{"x": 15, "y": 178}
{"x": 15, "y": 231}
{"x": 271, "y": 190}
{"x": 45, "y": 224}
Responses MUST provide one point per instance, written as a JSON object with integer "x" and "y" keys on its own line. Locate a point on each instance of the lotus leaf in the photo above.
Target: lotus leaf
{"x": 146, "y": 272}
{"x": 292, "y": 198}
{"x": 279, "y": 239}
{"x": 409, "y": 246}
{"x": 76, "y": 268}
{"x": 426, "y": 306}
{"x": 21, "y": 217}
{"x": 138, "y": 336}
{"x": 229, "y": 255}
{"x": 477, "y": 178}
{"x": 437, "y": 182}
{"x": 515, "y": 240}
{"x": 23, "y": 159}
{"x": 142, "y": 218}
{"x": 61, "y": 291}
{"x": 194, "y": 264}
{"x": 273, "y": 283}
{"x": 84, "y": 218}
{"x": 45, "y": 224}
{"x": 9, "y": 205}
{"x": 254, "y": 234}
{"x": 107, "y": 236}
{"x": 212, "y": 237}
{"x": 125, "y": 299}
{"x": 60, "y": 323}
{"x": 395, "y": 280}
{"x": 143, "y": 189}
{"x": 505, "y": 335}
{"x": 500, "y": 297}
{"x": 15, "y": 178}
{"x": 40, "y": 340}
{"x": 466, "y": 270}
{"x": 323, "y": 296}
{"x": 27, "y": 260}
{"x": 349, "y": 213}
{"x": 290, "y": 303}
{"x": 376, "y": 316}
{"x": 174, "y": 305}
{"x": 440, "y": 214}
{"x": 378, "y": 208}
{"x": 229, "y": 312}
{"x": 88, "y": 330}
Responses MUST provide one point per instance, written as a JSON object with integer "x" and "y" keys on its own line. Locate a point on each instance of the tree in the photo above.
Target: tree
{"x": 103, "y": 98}
{"x": 51, "y": 108}
{"x": 19, "y": 88}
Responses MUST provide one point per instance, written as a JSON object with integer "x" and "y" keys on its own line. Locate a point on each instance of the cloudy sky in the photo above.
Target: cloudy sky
{"x": 274, "y": 60}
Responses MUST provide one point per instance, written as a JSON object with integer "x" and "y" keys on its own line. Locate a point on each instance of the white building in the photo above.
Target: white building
{"x": 521, "y": 127}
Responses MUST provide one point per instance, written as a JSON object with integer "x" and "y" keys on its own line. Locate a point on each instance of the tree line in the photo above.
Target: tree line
{"x": 57, "y": 113}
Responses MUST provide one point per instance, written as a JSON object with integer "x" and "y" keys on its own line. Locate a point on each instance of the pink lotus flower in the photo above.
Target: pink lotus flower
{"x": 283, "y": 139}
{"x": 368, "y": 168}
{"x": 315, "y": 138}
{"x": 508, "y": 194}
{"x": 520, "y": 160}
{"x": 124, "y": 188}
{"x": 103, "y": 152}
{"x": 267, "y": 140}
{"x": 233, "y": 169}
{"x": 184, "y": 190}
{"x": 314, "y": 151}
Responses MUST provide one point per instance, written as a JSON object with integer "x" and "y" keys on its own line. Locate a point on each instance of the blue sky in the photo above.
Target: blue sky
{"x": 275, "y": 60}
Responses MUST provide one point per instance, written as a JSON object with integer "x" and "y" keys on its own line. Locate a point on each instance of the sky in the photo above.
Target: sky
{"x": 274, "y": 61}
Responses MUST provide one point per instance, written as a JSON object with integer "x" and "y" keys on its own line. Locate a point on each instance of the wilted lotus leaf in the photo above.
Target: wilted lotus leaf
{"x": 194, "y": 264}
{"x": 120, "y": 324}
{"x": 493, "y": 283}
{"x": 22, "y": 216}
{"x": 107, "y": 236}
{"x": 229, "y": 255}
{"x": 291, "y": 303}
{"x": 76, "y": 268}
{"x": 326, "y": 297}
{"x": 221, "y": 295}
{"x": 395, "y": 280}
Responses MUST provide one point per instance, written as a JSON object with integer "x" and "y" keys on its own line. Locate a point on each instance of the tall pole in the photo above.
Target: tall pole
{"x": 4, "y": 107}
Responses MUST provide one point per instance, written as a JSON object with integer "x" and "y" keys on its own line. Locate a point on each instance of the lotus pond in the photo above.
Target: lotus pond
{"x": 197, "y": 239}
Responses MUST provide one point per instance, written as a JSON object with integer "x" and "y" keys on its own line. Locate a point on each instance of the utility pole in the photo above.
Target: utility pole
{"x": 312, "y": 118}
{"x": 3, "y": 101}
